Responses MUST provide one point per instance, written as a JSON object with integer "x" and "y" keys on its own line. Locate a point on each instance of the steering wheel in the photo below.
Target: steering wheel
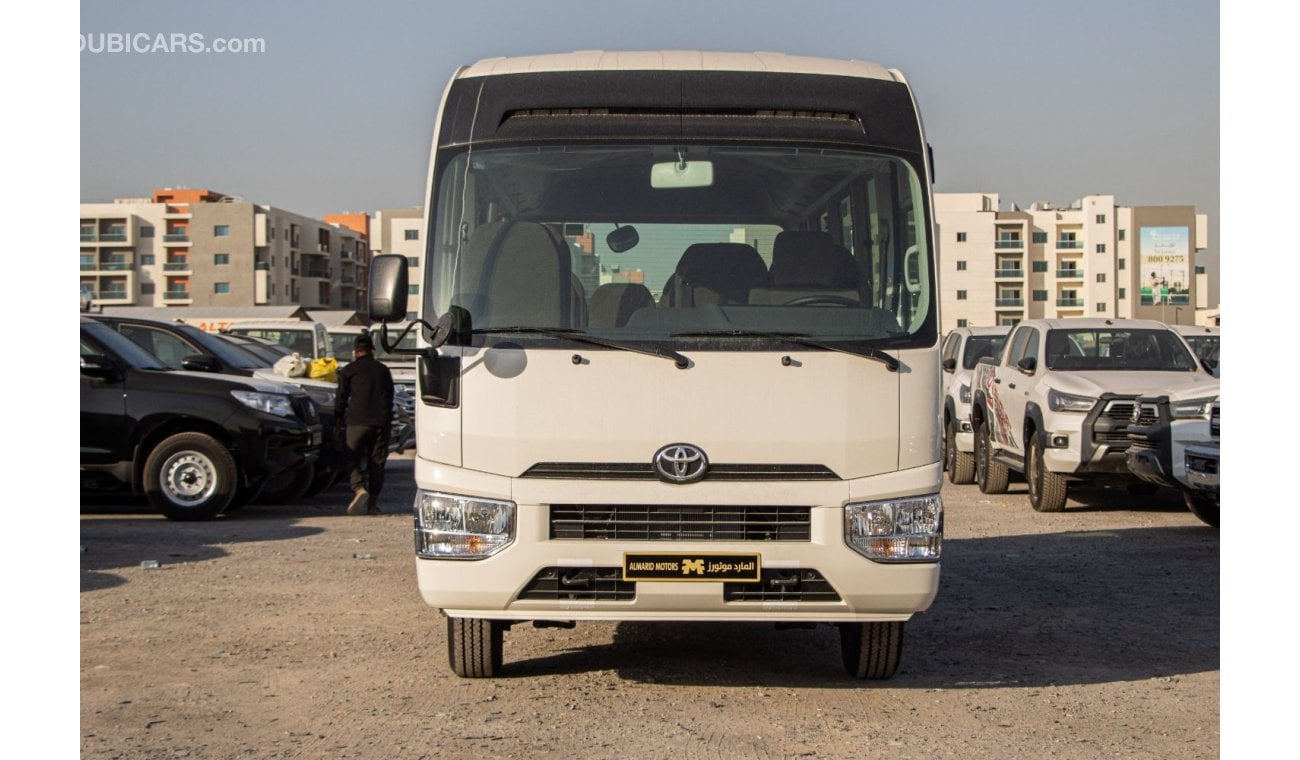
{"x": 825, "y": 299}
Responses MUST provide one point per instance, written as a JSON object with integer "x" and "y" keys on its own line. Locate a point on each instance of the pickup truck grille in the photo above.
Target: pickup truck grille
{"x": 665, "y": 522}
{"x": 1214, "y": 420}
{"x": 1111, "y": 428}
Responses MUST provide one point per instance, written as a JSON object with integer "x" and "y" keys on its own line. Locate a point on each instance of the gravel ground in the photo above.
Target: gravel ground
{"x": 269, "y": 634}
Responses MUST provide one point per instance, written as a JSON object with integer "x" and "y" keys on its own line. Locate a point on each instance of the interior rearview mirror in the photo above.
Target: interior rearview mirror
{"x": 672, "y": 175}
{"x": 622, "y": 239}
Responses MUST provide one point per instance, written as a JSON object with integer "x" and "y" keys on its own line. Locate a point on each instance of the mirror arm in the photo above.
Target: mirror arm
{"x": 392, "y": 347}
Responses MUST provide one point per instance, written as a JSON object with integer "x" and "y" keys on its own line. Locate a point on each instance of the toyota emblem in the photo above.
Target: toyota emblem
{"x": 680, "y": 463}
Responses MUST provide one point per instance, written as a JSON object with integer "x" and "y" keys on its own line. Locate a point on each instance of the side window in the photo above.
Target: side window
{"x": 1031, "y": 345}
{"x": 167, "y": 347}
{"x": 950, "y": 347}
{"x": 1018, "y": 342}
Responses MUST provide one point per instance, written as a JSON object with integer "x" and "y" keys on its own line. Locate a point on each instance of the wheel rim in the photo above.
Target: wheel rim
{"x": 188, "y": 478}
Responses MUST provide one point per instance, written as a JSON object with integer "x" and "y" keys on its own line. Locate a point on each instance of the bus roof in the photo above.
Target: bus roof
{"x": 677, "y": 60}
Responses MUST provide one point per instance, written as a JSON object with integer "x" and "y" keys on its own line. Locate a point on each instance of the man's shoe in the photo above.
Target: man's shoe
{"x": 358, "y": 504}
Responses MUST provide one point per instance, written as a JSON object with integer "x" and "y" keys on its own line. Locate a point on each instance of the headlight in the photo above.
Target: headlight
{"x": 1191, "y": 409}
{"x": 1068, "y": 402}
{"x": 271, "y": 403}
{"x": 898, "y": 530}
{"x": 963, "y": 393}
{"x": 461, "y": 527}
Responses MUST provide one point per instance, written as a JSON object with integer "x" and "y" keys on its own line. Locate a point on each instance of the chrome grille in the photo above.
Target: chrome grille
{"x": 645, "y": 471}
{"x": 1214, "y": 419}
{"x": 664, "y": 522}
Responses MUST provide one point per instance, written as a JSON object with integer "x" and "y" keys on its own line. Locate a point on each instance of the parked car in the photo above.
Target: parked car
{"x": 266, "y": 350}
{"x": 1204, "y": 342}
{"x": 1058, "y": 403}
{"x": 308, "y": 339}
{"x": 343, "y": 339}
{"x": 1176, "y": 444}
{"x": 962, "y": 348}
{"x": 195, "y": 443}
{"x": 182, "y": 346}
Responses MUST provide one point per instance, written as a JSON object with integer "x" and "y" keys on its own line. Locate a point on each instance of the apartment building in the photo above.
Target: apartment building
{"x": 1090, "y": 258}
{"x": 401, "y": 231}
{"x": 193, "y": 247}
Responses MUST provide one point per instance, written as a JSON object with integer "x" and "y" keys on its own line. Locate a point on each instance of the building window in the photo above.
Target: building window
{"x": 961, "y": 266}
{"x": 146, "y": 231}
{"x": 413, "y": 290}
{"x": 1200, "y": 269}
{"x": 1040, "y": 266}
{"x": 412, "y": 261}
{"x": 1101, "y": 248}
{"x": 1040, "y": 295}
{"x": 1123, "y": 293}
{"x": 1101, "y": 308}
{"x": 961, "y": 323}
{"x": 220, "y": 287}
{"x": 1121, "y": 234}
{"x": 961, "y": 237}
{"x": 1040, "y": 237}
{"x": 221, "y": 230}
{"x": 146, "y": 258}
{"x": 1101, "y": 218}
{"x": 411, "y": 235}
{"x": 220, "y": 259}
{"x": 1119, "y": 263}
{"x": 411, "y": 316}
{"x": 146, "y": 288}
{"x": 1101, "y": 277}
{"x": 961, "y": 295}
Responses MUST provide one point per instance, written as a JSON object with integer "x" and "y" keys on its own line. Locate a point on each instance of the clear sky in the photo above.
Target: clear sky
{"x": 1035, "y": 101}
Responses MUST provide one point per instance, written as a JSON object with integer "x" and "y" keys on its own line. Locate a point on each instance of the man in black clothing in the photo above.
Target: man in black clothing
{"x": 363, "y": 420}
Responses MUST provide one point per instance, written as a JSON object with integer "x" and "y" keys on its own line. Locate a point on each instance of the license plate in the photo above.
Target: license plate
{"x": 738, "y": 568}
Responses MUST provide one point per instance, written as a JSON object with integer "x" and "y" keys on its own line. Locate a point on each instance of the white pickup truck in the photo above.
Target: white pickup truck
{"x": 962, "y": 349}
{"x": 1176, "y": 444}
{"x": 1058, "y": 404}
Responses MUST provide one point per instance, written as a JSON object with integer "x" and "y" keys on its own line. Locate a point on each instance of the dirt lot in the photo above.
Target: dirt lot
{"x": 1092, "y": 633}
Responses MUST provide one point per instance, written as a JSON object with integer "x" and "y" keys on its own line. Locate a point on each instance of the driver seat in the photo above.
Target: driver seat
{"x": 808, "y": 263}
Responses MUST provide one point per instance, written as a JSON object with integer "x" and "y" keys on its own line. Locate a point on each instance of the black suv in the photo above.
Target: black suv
{"x": 182, "y": 346}
{"x": 195, "y": 443}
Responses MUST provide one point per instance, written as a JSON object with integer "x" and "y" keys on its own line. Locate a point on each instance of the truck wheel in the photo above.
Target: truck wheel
{"x": 1205, "y": 508}
{"x": 991, "y": 476}
{"x": 960, "y": 464}
{"x": 1046, "y": 488}
{"x": 871, "y": 650}
{"x": 474, "y": 647}
{"x": 190, "y": 476}
{"x": 287, "y": 487}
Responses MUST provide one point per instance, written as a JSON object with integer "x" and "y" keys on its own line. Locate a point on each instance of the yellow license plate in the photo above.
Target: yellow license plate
{"x": 647, "y": 566}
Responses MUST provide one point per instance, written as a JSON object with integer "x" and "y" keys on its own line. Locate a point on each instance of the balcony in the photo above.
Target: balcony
{"x": 1014, "y": 245}
{"x": 115, "y": 235}
{"x": 1010, "y": 303}
{"x": 1069, "y": 274}
{"x": 1009, "y": 274}
{"x": 177, "y": 212}
{"x": 176, "y": 295}
{"x": 322, "y": 274}
{"x": 348, "y": 279}
{"x": 116, "y": 294}
{"x": 1069, "y": 245}
{"x": 116, "y": 266}
{"x": 89, "y": 266}
{"x": 1069, "y": 303}
{"x": 88, "y": 237}
{"x": 176, "y": 237}
{"x": 176, "y": 266}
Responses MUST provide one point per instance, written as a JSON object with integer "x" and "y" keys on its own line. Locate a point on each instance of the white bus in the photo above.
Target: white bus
{"x": 687, "y": 351}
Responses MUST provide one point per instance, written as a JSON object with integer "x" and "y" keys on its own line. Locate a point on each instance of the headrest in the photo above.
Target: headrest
{"x": 811, "y": 259}
{"x": 729, "y": 269}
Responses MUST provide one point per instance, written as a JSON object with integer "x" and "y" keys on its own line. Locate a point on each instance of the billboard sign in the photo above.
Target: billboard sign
{"x": 1164, "y": 255}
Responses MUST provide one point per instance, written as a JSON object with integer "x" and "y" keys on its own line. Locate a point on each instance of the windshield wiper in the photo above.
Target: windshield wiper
{"x": 582, "y": 337}
{"x": 802, "y": 339}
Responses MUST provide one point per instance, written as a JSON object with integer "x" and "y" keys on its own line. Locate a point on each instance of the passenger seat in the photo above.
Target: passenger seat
{"x": 715, "y": 273}
{"x": 808, "y": 263}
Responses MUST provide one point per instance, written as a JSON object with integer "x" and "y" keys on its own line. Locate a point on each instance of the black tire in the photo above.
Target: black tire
{"x": 871, "y": 650}
{"x": 1047, "y": 489}
{"x": 1141, "y": 488}
{"x": 287, "y": 487}
{"x": 474, "y": 647}
{"x": 960, "y": 464}
{"x": 1206, "y": 508}
{"x": 991, "y": 476}
{"x": 190, "y": 476}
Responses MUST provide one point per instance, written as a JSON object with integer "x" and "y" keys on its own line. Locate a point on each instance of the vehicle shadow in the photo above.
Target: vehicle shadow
{"x": 1068, "y": 608}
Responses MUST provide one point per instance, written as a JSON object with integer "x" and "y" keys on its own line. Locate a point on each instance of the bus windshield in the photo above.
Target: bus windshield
{"x": 702, "y": 246}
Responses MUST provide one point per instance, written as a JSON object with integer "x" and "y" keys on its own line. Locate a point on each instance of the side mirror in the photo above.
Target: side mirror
{"x": 1028, "y": 364}
{"x": 950, "y": 364}
{"x": 200, "y": 363}
{"x": 94, "y": 365}
{"x": 388, "y": 288}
